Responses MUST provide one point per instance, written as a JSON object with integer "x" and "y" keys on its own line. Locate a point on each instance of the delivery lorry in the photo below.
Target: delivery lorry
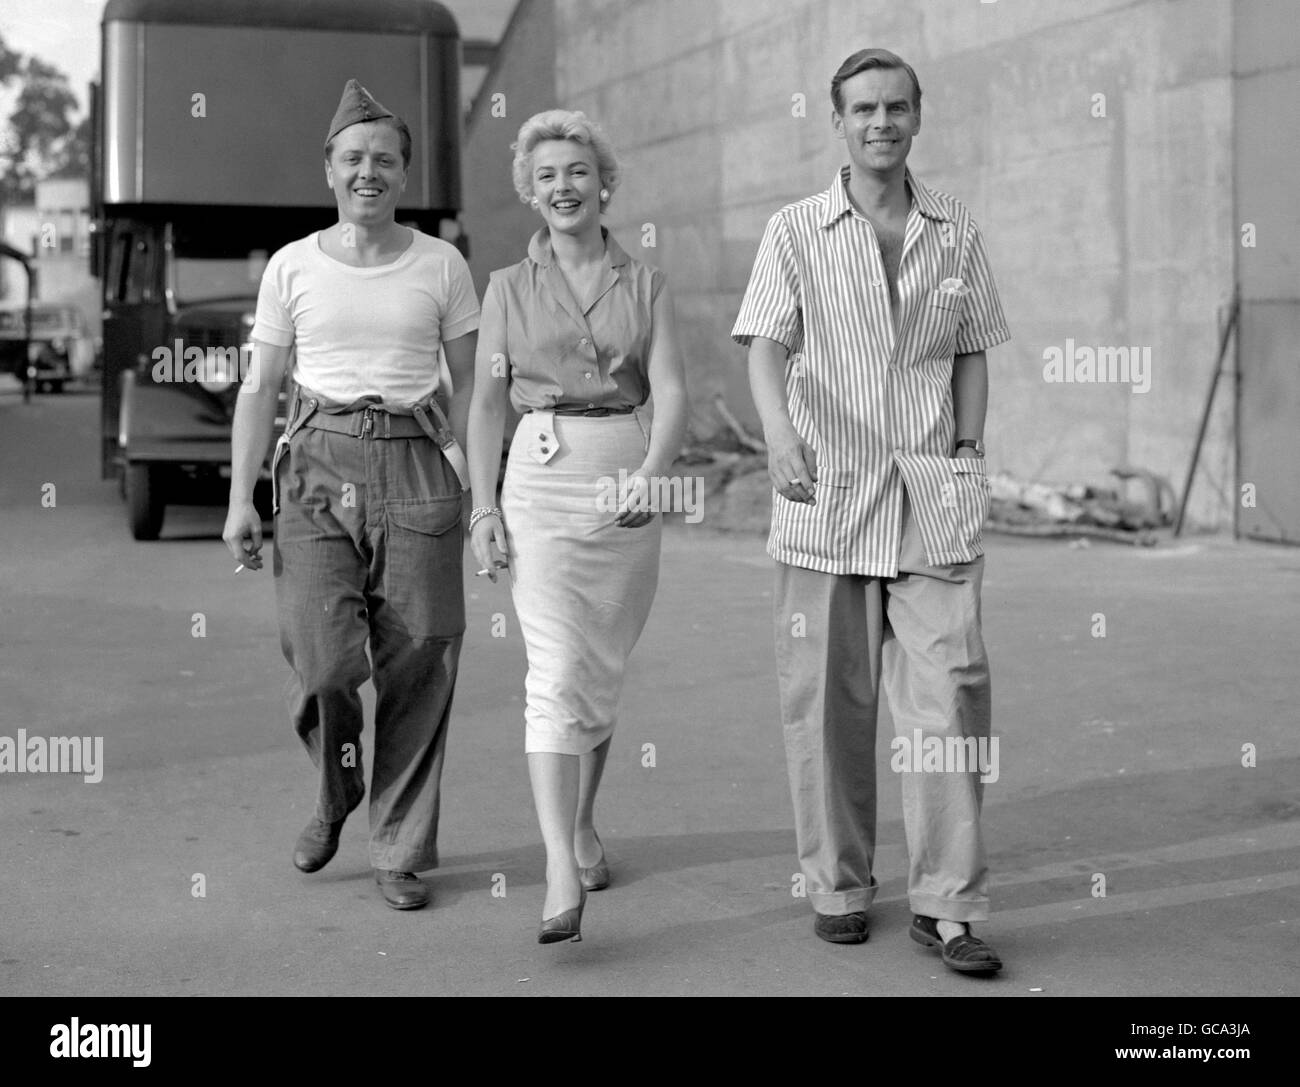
{"x": 210, "y": 122}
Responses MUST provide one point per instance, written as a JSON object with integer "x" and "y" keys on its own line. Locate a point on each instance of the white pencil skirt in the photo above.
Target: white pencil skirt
{"x": 582, "y": 586}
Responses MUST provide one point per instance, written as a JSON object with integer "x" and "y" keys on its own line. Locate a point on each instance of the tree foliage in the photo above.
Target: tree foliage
{"x": 40, "y": 139}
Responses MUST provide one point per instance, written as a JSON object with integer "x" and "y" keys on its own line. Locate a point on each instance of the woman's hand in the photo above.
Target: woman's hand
{"x": 636, "y": 508}
{"x": 488, "y": 542}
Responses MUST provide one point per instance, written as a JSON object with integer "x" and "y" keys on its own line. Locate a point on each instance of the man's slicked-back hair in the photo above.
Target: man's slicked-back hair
{"x": 863, "y": 60}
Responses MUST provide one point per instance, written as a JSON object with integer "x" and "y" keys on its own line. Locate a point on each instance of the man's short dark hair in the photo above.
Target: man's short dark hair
{"x": 865, "y": 59}
{"x": 403, "y": 134}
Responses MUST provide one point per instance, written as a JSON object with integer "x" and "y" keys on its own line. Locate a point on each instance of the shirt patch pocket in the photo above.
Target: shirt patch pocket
{"x": 946, "y": 300}
{"x": 950, "y": 500}
{"x": 826, "y": 529}
{"x": 964, "y": 500}
{"x": 837, "y": 477}
{"x": 938, "y": 331}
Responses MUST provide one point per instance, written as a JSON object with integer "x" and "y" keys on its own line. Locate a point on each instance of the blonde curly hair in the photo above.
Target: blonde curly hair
{"x": 563, "y": 124}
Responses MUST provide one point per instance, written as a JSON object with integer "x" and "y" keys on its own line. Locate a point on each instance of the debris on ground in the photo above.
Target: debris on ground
{"x": 732, "y": 467}
{"x": 1021, "y": 508}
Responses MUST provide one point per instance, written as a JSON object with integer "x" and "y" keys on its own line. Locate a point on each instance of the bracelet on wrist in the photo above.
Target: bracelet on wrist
{"x": 479, "y": 512}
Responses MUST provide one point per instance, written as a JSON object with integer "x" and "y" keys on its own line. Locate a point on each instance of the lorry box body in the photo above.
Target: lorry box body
{"x": 209, "y": 155}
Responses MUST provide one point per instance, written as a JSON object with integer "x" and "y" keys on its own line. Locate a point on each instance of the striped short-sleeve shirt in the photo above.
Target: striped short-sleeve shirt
{"x": 871, "y": 390}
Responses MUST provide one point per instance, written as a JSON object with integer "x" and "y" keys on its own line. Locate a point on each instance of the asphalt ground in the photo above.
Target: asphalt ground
{"x": 1120, "y": 757}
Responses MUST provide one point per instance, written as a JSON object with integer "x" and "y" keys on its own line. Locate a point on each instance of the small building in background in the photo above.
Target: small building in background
{"x": 56, "y": 231}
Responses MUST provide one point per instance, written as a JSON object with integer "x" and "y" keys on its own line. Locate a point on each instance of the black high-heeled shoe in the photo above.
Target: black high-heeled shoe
{"x": 563, "y": 926}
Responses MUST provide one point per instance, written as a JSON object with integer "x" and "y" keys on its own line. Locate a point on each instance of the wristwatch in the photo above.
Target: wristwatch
{"x": 972, "y": 443}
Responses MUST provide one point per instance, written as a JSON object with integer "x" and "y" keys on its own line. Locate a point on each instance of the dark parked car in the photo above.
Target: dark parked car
{"x": 61, "y": 347}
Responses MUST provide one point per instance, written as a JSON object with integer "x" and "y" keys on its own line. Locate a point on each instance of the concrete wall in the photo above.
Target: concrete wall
{"x": 498, "y": 225}
{"x": 1110, "y": 230}
{"x": 1266, "y": 129}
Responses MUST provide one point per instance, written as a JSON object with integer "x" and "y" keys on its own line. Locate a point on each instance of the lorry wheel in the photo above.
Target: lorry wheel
{"x": 145, "y": 502}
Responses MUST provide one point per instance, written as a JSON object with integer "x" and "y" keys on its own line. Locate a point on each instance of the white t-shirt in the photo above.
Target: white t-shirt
{"x": 361, "y": 331}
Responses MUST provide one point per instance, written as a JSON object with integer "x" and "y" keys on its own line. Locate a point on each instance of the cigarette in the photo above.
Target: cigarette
{"x": 240, "y": 568}
{"x": 480, "y": 573}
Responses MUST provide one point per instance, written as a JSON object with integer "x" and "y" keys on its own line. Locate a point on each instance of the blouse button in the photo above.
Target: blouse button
{"x": 587, "y": 375}
{"x": 583, "y": 342}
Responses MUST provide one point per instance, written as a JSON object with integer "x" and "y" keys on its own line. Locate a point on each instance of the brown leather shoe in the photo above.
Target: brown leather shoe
{"x": 402, "y": 890}
{"x": 846, "y": 928}
{"x": 966, "y": 954}
{"x": 317, "y": 844}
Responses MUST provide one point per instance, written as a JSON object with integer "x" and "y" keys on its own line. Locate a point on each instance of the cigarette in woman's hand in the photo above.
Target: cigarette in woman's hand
{"x": 240, "y": 568}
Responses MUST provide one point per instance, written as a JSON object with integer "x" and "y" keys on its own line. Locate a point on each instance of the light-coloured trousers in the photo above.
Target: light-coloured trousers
{"x": 839, "y": 639}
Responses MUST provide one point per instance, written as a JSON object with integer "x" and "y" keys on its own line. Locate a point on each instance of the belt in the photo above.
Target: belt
{"x": 595, "y": 413}
{"x": 373, "y": 422}
{"x": 367, "y": 423}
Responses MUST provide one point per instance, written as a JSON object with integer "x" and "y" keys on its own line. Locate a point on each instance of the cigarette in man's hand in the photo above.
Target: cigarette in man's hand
{"x": 240, "y": 568}
{"x": 480, "y": 573}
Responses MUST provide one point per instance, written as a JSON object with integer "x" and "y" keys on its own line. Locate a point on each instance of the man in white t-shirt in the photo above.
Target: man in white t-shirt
{"x": 368, "y": 481}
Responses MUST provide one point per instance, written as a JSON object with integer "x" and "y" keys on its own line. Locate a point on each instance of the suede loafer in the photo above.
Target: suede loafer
{"x": 966, "y": 954}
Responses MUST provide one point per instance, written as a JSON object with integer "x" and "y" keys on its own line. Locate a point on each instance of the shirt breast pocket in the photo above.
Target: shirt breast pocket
{"x": 940, "y": 318}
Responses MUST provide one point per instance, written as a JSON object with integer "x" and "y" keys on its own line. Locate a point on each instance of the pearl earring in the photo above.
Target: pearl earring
{"x": 604, "y": 194}
{"x": 533, "y": 201}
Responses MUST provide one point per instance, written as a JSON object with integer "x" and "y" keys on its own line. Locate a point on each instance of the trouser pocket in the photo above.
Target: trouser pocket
{"x": 420, "y": 576}
{"x": 281, "y": 448}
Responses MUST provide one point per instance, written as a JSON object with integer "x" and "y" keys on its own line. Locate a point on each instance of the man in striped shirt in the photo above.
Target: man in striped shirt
{"x": 867, "y": 316}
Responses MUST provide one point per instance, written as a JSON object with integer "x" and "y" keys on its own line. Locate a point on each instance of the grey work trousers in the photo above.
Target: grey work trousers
{"x": 368, "y": 546}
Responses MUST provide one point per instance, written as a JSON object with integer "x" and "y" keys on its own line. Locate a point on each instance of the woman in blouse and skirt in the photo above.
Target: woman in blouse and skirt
{"x": 577, "y": 337}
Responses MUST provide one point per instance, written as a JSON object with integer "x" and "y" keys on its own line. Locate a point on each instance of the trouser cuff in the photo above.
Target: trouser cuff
{"x": 838, "y": 903}
{"x": 949, "y": 909}
{"x": 397, "y": 859}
